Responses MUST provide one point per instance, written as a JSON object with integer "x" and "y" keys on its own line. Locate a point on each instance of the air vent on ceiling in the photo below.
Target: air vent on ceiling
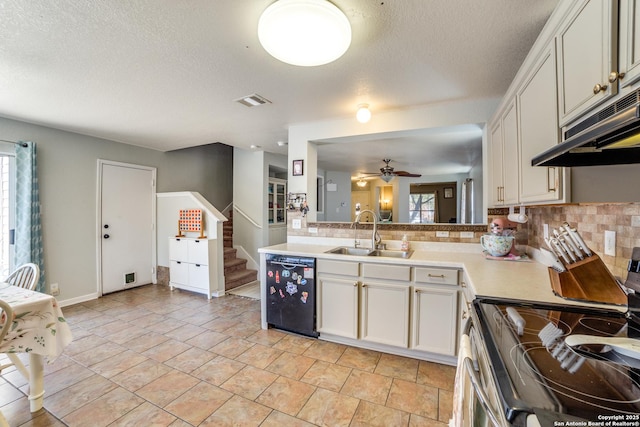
{"x": 253, "y": 100}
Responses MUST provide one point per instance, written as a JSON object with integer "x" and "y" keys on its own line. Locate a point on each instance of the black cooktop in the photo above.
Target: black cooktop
{"x": 538, "y": 373}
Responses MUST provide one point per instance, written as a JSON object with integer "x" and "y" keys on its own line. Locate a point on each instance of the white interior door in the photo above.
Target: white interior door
{"x": 126, "y": 224}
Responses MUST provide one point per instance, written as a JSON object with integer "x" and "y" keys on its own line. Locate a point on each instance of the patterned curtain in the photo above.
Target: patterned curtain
{"x": 28, "y": 238}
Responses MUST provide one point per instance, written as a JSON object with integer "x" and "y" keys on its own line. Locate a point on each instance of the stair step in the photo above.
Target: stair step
{"x": 229, "y": 253}
{"x": 239, "y": 278}
{"x": 234, "y": 264}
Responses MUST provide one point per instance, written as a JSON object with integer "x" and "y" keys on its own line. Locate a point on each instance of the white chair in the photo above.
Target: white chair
{"x": 6, "y": 313}
{"x": 26, "y": 276}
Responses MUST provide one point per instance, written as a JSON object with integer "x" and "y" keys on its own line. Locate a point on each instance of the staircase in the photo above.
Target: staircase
{"x": 235, "y": 269}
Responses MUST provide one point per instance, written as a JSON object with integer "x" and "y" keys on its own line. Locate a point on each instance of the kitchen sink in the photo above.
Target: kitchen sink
{"x": 391, "y": 254}
{"x": 345, "y": 250}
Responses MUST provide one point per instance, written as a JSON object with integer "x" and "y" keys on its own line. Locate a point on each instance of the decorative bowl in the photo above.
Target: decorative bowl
{"x": 496, "y": 245}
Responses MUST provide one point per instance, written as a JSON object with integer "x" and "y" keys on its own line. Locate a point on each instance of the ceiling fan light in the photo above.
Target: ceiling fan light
{"x": 304, "y": 32}
{"x": 387, "y": 178}
{"x": 363, "y": 115}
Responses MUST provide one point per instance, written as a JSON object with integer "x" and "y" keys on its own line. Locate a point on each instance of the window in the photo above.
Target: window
{"x": 422, "y": 208}
{"x": 6, "y": 218}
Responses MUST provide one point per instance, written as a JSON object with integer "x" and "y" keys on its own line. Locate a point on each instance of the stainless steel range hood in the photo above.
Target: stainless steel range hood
{"x": 610, "y": 136}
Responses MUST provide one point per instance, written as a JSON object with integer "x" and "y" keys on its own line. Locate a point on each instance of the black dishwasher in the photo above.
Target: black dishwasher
{"x": 291, "y": 293}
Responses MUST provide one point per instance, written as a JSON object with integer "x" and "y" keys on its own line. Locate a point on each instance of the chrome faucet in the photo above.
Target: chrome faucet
{"x": 375, "y": 238}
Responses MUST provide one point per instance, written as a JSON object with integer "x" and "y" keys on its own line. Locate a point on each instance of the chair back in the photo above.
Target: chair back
{"x": 6, "y": 318}
{"x": 26, "y": 276}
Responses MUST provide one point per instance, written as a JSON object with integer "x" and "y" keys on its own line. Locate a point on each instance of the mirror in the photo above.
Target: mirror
{"x": 448, "y": 159}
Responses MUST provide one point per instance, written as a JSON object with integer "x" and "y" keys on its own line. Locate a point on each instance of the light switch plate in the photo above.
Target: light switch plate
{"x": 442, "y": 234}
{"x": 296, "y": 224}
{"x": 610, "y": 243}
{"x": 466, "y": 235}
{"x": 313, "y": 230}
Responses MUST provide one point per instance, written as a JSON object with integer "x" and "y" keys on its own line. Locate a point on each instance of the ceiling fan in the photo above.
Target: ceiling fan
{"x": 387, "y": 173}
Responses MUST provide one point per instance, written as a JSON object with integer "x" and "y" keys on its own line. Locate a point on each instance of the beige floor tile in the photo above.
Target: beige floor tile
{"x": 278, "y": 419}
{"x": 185, "y": 332}
{"x": 268, "y": 337}
{"x": 250, "y": 382}
{"x": 166, "y": 350}
{"x": 218, "y": 370}
{"x": 119, "y": 363}
{"x": 294, "y": 344}
{"x": 106, "y": 409}
{"x": 238, "y": 411}
{"x": 418, "y": 421}
{"x": 327, "y": 351}
{"x": 167, "y": 388}
{"x": 445, "y": 405}
{"x": 286, "y": 395}
{"x": 327, "y": 375}
{"x": 437, "y": 375}
{"x": 165, "y": 325}
{"x": 198, "y": 403}
{"x": 326, "y": 408}
{"x": 123, "y": 335}
{"x": 207, "y": 339}
{"x": 232, "y": 347}
{"x": 65, "y": 377}
{"x": 372, "y": 415}
{"x": 219, "y": 324}
{"x": 291, "y": 365}
{"x": 8, "y": 394}
{"x": 140, "y": 375}
{"x": 145, "y": 342}
{"x": 98, "y": 354}
{"x": 398, "y": 367}
{"x": 359, "y": 358}
{"x": 145, "y": 415}
{"x": 191, "y": 359}
{"x": 259, "y": 356}
{"x": 415, "y": 398}
{"x": 80, "y": 345}
{"x": 364, "y": 385}
{"x": 71, "y": 398}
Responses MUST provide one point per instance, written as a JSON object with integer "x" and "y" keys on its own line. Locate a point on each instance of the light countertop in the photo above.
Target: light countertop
{"x": 523, "y": 280}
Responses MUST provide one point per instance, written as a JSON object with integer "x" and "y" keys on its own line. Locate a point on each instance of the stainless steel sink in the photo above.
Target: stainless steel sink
{"x": 345, "y": 250}
{"x": 391, "y": 254}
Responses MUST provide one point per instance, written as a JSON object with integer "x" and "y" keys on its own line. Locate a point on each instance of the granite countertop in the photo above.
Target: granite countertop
{"x": 522, "y": 280}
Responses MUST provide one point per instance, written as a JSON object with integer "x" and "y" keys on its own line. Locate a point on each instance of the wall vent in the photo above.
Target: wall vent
{"x": 253, "y": 100}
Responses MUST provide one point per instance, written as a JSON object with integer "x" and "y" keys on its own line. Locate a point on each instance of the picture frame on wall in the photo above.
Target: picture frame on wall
{"x": 448, "y": 192}
{"x": 298, "y": 168}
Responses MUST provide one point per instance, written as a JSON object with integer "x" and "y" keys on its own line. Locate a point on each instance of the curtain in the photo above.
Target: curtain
{"x": 28, "y": 237}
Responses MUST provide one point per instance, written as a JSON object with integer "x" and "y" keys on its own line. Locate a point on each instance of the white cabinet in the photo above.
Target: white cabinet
{"x": 189, "y": 261}
{"x": 504, "y": 158}
{"x": 384, "y": 290}
{"x": 629, "y": 42}
{"x": 587, "y": 48}
{"x": 435, "y": 311}
{"x": 538, "y": 127}
{"x": 276, "y": 208}
{"x": 337, "y": 288}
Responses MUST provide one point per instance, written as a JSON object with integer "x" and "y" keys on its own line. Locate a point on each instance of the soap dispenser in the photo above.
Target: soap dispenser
{"x": 405, "y": 244}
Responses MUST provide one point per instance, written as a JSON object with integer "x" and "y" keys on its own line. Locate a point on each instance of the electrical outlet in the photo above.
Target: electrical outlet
{"x": 442, "y": 234}
{"x": 313, "y": 230}
{"x": 466, "y": 235}
{"x": 610, "y": 243}
{"x": 55, "y": 290}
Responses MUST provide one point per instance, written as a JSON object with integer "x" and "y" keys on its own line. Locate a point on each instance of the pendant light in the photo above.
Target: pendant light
{"x": 363, "y": 115}
{"x": 304, "y": 32}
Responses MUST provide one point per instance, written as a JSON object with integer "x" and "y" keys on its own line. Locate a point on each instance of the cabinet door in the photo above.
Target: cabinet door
{"x": 337, "y": 306}
{"x": 179, "y": 272}
{"x": 629, "y": 50}
{"x": 510, "y": 155}
{"x": 434, "y": 325}
{"x": 199, "y": 276}
{"x": 586, "y": 55}
{"x": 385, "y": 313}
{"x": 178, "y": 249}
{"x": 199, "y": 251}
{"x": 495, "y": 147}
{"x": 538, "y": 119}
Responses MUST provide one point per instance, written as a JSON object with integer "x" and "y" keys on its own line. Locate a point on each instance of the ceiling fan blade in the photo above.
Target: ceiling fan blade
{"x": 408, "y": 174}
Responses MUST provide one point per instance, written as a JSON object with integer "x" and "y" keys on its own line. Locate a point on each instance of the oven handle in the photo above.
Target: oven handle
{"x": 465, "y": 349}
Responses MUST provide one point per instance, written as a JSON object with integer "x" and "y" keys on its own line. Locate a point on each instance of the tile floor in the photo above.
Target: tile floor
{"x": 154, "y": 357}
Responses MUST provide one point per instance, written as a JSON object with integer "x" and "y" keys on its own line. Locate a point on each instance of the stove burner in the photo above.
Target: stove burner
{"x": 605, "y": 328}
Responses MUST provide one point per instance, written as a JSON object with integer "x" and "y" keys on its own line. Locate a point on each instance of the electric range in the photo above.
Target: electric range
{"x": 537, "y": 373}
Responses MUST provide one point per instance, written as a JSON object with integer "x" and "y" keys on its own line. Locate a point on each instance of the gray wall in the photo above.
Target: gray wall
{"x": 67, "y": 169}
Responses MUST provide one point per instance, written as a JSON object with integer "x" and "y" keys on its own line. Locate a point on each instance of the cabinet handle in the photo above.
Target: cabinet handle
{"x": 614, "y": 75}
{"x": 463, "y": 284}
{"x": 439, "y": 276}
{"x": 464, "y": 315}
{"x": 599, "y": 88}
{"x": 355, "y": 285}
{"x": 551, "y": 177}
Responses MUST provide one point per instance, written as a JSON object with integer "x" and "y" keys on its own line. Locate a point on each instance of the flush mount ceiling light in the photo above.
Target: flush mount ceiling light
{"x": 363, "y": 115}
{"x": 304, "y": 32}
{"x": 361, "y": 183}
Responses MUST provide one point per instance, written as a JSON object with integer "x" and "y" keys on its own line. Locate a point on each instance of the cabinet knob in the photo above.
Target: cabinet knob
{"x": 614, "y": 75}
{"x": 106, "y": 236}
{"x": 599, "y": 88}
{"x": 463, "y": 284}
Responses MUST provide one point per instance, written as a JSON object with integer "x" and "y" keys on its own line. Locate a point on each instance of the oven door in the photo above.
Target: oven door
{"x": 476, "y": 396}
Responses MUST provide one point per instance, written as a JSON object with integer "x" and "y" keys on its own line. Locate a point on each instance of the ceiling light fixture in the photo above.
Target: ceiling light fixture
{"x": 363, "y": 115}
{"x": 361, "y": 183}
{"x": 304, "y": 32}
{"x": 387, "y": 177}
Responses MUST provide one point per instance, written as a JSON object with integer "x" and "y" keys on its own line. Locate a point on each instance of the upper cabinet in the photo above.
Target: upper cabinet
{"x": 538, "y": 127}
{"x": 587, "y": 58}
{"x": 504, "y": 158}
{"x": 276, "y": 210}
{"x": 629, "y": 43}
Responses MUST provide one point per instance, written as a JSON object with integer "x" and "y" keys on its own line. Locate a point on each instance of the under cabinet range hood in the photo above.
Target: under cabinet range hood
{"x": 610, "y": 136}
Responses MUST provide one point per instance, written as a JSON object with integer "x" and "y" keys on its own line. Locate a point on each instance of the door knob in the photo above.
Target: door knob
{"x": 106, "y": 236}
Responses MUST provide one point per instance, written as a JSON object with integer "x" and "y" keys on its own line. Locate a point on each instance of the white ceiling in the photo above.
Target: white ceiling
{"x": 164, "y": 74}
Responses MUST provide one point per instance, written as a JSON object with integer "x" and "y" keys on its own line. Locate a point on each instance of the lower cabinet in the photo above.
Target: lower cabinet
{"x": 337, "y": 300}
{"x": 189, "y": 261}
{"x": 435, "y": 319}
{"x": 385, "y": 313}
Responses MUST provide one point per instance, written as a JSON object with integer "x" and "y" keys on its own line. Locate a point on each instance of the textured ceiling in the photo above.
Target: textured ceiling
{"x": 164, "y": 74}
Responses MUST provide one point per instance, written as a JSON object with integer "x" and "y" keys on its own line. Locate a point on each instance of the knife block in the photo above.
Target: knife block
{"x": 587, "y": 280}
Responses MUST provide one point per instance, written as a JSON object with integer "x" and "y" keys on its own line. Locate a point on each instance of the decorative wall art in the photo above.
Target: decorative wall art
{"x": 190, "y": 220}
{"x": 298, "y": 167}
